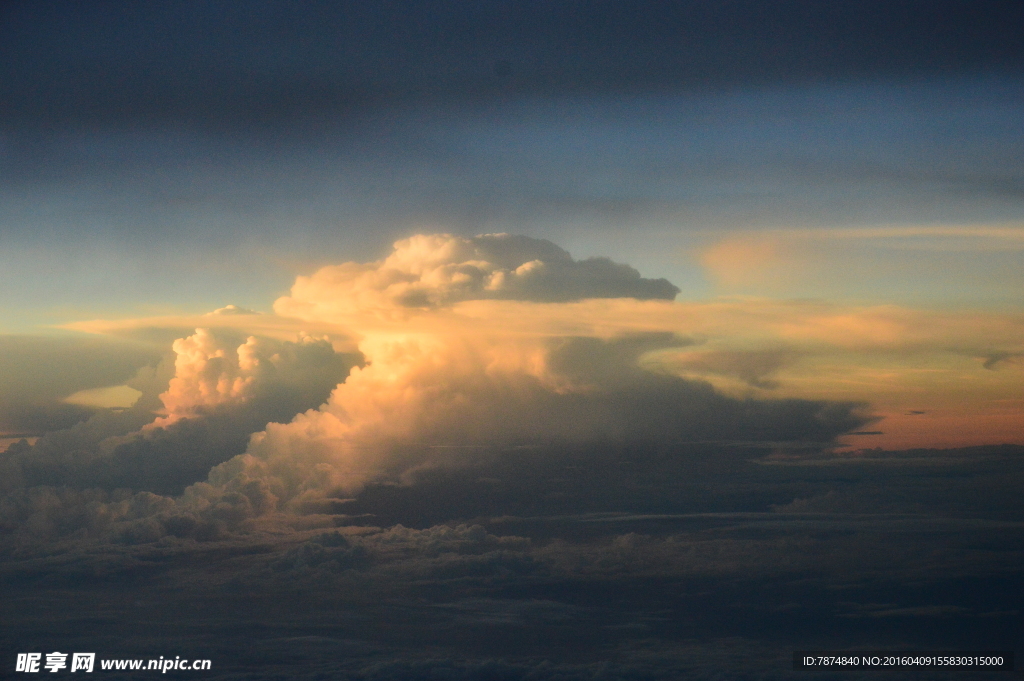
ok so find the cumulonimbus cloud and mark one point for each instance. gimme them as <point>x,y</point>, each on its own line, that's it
<point>442,379</point>
<point>443,382</point>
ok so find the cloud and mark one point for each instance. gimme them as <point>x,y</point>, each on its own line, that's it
<point>468,351</point>
<point>38,373</point>
<point>447,382</point>
<point>752,368</point>
<point>432,271</point>
<point>443,402</point>
<point>114,397</point>
<point>995,358</point>
<point>212,373</point>
<point>159,333</point>
<point>464,356</point>
<point>638,582</point>
<point>232,310</point>
<point>959,262</point>
<point>967,238</point>
<point>218,390</point>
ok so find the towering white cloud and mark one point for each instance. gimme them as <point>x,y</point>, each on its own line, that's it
<point>467,347</point>
<point>218,391</point>
<point>212,372</point>
<point>447,381</point>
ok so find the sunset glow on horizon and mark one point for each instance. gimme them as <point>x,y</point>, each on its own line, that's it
<point>927,375</point>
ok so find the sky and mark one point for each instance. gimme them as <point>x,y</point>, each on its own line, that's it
<point>533,302</point>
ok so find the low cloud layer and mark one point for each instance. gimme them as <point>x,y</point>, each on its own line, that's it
<point>871,551</point>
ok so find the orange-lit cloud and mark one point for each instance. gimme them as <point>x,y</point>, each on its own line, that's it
<point>959,262</point>
<point>439,270</point>
<point>212,372</point>
<point>448,364</point>
<point>471,345</point>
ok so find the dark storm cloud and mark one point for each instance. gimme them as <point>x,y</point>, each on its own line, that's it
<point>204,61</point>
